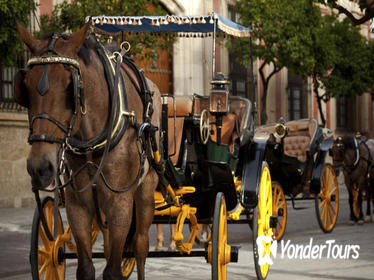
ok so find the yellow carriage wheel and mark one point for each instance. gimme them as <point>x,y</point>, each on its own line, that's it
<point>356,205</point>
<point>279,210</point>
<point>219,251</point>
<point>261,223</point>
<point>128,265</point>
<point>327,201</point>
<point>45,254</point>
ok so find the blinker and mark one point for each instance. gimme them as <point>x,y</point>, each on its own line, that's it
<point>43,85</point>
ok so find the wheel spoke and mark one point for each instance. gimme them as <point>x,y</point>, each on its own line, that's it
<point>43,268</point>
<point>44,238</point>
<point>333,190</point>
<point>321,204</point>
<point>332,208</point>
<point>50,219</point>
<point>326,217</point>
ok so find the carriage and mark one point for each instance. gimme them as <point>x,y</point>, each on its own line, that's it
<point>296,158</point>
<point>210,161</point>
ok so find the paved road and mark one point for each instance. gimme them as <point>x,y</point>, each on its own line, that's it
<point>15,226</point>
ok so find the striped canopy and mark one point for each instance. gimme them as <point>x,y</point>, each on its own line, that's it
<point>181,24</point>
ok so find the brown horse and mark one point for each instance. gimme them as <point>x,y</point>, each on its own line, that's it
<point>51,90</point>
<point>356,156</point>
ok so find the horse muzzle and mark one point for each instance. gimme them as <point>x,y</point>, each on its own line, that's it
<point>42,171</point>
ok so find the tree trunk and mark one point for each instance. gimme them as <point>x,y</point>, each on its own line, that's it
<point>319,100</point>
<point>265,83</point>
<point>264,116</point>
<point>251,87</point>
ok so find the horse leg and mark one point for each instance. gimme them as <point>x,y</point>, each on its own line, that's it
<point>370,198</point>
<point>361,216</point>
<point>352,218</point>
<point>160,238</point>
<point>119,220</point>
<point>144,200</point>
<point>368,205</point>
<point>80,220</point>
<point>172,245</point>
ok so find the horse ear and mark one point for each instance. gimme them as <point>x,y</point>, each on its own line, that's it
<point>78,38</point>
<point>27,38</point>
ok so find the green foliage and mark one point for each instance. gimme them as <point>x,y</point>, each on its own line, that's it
<point>10,11</point>
<point>71,15</point>
<point>283,30</point>
<point>353,70</point>
<point>295,35</point>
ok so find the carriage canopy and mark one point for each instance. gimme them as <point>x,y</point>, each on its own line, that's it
<point>170,23</point>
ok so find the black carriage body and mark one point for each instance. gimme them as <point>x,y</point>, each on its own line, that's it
<point>209,167</point>
<point>299,164</point>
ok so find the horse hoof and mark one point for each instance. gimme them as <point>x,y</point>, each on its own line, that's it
<point>367,219</point>
<point>360,222</point>
<point>172,249</point>
<point>351,222</point>
<point>160,248</point>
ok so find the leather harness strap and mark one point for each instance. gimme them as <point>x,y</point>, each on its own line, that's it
<point>351,168</point>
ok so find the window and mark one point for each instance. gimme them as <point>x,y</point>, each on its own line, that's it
<point>7,77</point>
<point>237,72</point>
<point>346,113</point>
<point>296,102</point>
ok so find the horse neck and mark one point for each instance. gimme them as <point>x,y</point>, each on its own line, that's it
<point>96,97</point>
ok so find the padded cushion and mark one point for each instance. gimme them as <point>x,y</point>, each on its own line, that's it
<point>296,146</point>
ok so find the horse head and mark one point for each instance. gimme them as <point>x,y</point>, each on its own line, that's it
<point>49,88</point>
<point>345,151</point>
<point>337,151</point>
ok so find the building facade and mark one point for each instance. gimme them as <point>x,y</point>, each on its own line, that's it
<point>187,71</point>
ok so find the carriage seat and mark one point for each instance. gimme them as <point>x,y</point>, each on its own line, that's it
<point>183,106</point>
<point>237,120</point>
<point>301,134</point>
<point>233,124</point>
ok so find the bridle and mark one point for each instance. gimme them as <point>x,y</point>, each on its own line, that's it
<point>350,168</point>
<point>53,57</point>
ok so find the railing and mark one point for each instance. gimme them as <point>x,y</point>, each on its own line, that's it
<point>7,74</point>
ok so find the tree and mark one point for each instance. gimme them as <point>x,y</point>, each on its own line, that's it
<point>366,7</point>
<point>71,15</point>
<point>10,11</point>
<point>295,35</point>
<point>353,70</point>
<point>343,61</point>
<point>283,29</point>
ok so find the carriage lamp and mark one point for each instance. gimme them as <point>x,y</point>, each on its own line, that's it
<point>219,101</point>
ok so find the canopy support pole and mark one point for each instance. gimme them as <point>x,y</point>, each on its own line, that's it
<point>214,48</point>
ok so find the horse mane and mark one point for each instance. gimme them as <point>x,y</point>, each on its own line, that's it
<point>84,54</point>
<point>349,142</point>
